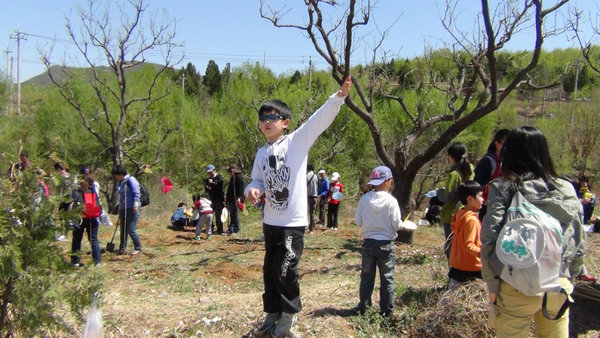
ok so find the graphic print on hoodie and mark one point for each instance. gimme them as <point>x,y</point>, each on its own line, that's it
<point>277,180</point>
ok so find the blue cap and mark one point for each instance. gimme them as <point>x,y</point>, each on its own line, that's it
<point>210,168</point>
<point>380,175</point>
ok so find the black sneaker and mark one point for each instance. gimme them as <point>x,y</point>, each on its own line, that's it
<point>76,265</point>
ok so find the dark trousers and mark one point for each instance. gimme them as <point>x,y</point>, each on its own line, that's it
<point>91,227</point>
<point>463,276</point>
<point>180,223</point>
<point>332,215</point>
<point>217,212</point>
<point>283,250</point>
<point>234,220</point>
<point>449,235</point>
<point>312,206</point>
<point>322,209</point>
<point>377,255</point>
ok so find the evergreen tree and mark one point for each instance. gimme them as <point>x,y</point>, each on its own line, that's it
<point>226,75</point>
<point>35,279</point>
<point>212,78</point>
<point>295,78</point>
<point>193,80</point>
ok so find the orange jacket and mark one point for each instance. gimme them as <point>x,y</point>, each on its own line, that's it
<point>466,245</point>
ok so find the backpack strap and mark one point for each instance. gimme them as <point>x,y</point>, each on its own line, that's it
<point>563,308</point>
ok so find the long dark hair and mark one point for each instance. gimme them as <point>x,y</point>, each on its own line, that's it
<point>499,136</point>
<point>458,152</point>
<point>526,151</point>
<point>87,182</point>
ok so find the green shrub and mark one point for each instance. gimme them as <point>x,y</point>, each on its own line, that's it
<point>37,285</point>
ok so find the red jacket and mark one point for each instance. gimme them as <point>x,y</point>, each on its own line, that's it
<point>333,188</point>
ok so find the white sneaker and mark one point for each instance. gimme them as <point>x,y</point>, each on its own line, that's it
<point>61,238</point>
<point>135,252</point>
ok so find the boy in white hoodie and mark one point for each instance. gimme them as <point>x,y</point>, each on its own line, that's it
<point>279,172</point>
<point>378,216</point>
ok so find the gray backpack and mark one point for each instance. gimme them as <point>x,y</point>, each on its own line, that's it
<point>530,246</point>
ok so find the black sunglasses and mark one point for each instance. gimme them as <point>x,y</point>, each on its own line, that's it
<point>270,117</point>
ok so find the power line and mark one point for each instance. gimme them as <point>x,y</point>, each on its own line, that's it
<point>206,56</point>
<point>48,38</point>
<point>235,59</point>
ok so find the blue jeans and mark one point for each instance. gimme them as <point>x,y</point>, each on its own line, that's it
<point>128,224</point>
<point>377,254</point>
<point>91,227</point>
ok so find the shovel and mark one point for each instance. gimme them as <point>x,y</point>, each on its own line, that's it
<point>110,246</point>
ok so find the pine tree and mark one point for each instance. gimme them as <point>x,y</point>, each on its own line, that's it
<point>212,78</point>
<point>36,282</point>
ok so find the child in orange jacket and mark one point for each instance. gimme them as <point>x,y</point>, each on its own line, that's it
<point>465,263</point>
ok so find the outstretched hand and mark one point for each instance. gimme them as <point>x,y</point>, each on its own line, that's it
<point>345,88</point>
<point>253,195</point>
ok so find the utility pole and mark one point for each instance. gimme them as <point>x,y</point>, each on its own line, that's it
<point>12,84</point>
<point>182,131</point>
<point>9,79</point>
<point>18,36</point>
<point>182,86</point>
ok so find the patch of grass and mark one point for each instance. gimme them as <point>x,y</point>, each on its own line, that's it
<point>177,282</point>
<point>416,259</point>
<point>415,297</point>
<point>372,324</point>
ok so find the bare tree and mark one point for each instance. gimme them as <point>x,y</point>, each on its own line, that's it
<point>588,43</point>
<point>472,90</point>
<point>122,45</point>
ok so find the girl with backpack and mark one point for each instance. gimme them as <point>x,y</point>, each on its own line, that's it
<point>86,195</point>
<point>527,166</point>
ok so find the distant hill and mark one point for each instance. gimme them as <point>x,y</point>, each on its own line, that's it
<point>60,73</point>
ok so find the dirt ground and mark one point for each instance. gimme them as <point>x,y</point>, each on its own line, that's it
<point>179,287</point>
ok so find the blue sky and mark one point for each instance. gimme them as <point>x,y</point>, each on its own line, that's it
<point>232,31</point>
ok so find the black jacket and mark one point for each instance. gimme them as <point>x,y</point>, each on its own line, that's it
<point>215,189</point>
<point>235,189</point>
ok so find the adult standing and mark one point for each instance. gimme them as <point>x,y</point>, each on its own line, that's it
<point>322,190</point>
<point>460,170</point>
<point>333,206</point>
<point>527,166</point>
<point>312,195</point>
<point>129,208</point>
<point>235,197</point>
<point>214,188</point>
<point>489,167</point>
<point>86,194</point>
